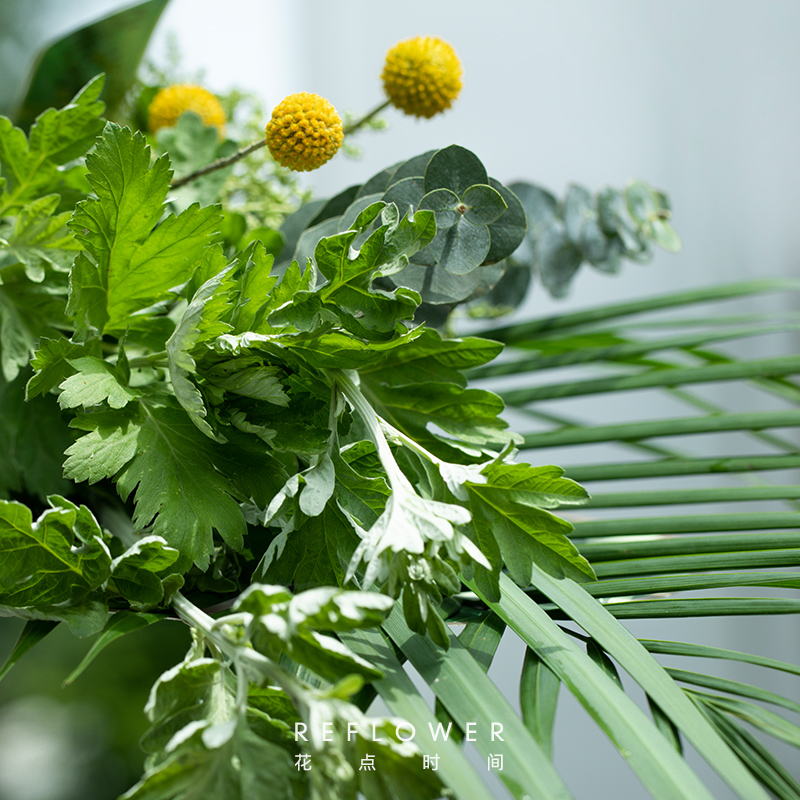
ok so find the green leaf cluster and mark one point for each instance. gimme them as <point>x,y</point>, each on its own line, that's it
<point>600,229</point>
<point>479,223</point>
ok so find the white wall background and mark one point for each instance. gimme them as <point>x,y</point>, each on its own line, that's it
<point>698,97</point>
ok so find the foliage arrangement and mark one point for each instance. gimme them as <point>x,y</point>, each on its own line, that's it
<point>273,436</point>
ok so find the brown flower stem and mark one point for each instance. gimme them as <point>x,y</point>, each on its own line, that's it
<point>221,163</point>
<point>354,126</point>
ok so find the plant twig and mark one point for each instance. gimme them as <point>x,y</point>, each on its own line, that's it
<point>354,126</point>
<point>221,163</point>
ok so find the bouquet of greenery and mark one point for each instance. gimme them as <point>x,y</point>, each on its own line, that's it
<point>229,404</point>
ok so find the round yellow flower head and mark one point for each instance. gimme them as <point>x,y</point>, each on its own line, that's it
<point>305,131</point>
<point>167,106</point>
<point>422,76</point>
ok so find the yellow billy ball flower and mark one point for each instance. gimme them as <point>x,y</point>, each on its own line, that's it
<point>305,131</point>
<point>422,76</point>
<point>167,106</point>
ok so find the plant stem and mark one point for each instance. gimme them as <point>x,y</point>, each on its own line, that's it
<point>354,395</point>
<point>239,655</point>
<point>221,163</point>
<point>354,126</point>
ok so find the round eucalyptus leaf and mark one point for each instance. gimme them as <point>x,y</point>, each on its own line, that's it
<point>413,168</point>
<point>503,287</point>
<point>336,205</point>
<point>310,237</point>
<point>435,285</point>
<point>540,206</point>
<point>405,193</point>
<point>508,231</point>
<point>379,182</point>
<point>578,210</point>
<point>454,168</point>
<point>593,242</point>
<point>484,204</point>
<point>461,248</point>
<point>444,205</point>
<point>665,235</point>
<point>641,201</point>
<point>557,257</point>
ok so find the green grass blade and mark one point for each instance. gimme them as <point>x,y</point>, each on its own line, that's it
<point>703,607</point>
<point>759,759</point>
<point>404,700</point>
<point>611,549</point>
<point>677,426</point>
<point>788,557</point>
<point>659,584</point>
<point>538,697</point>
<point>572,355</point>
<point>656,378</point>
<point>663,772</point>
<point>705,651</point>
<point>481,636</point>
<point>631,656</point>
<point>733,687</point>
<point>767,721</point>
<point>665,497</point>
<point>521,331</point>
<point>470,696</point>
<point>682,466</point>
<point>688,523</point>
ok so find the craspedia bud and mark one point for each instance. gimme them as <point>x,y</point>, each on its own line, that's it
<point>305,131</point>
<point>167,106</point>
<point>422,76</point>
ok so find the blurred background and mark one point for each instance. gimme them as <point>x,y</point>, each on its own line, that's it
<point>700,98</point>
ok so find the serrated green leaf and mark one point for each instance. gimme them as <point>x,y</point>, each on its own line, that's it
<point>94,382</point>
<point>157,455</point>
<point>200,321</point>
<point>136,574</point>
<point>33,436</point>
<point>525,532</point>
<point>46,562</point>
<point>256,285</point>
<point>245,765</point>
<point>430,357</point>
<point>135,263</point>
<point>57,136</point>
<point>40,238</point>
